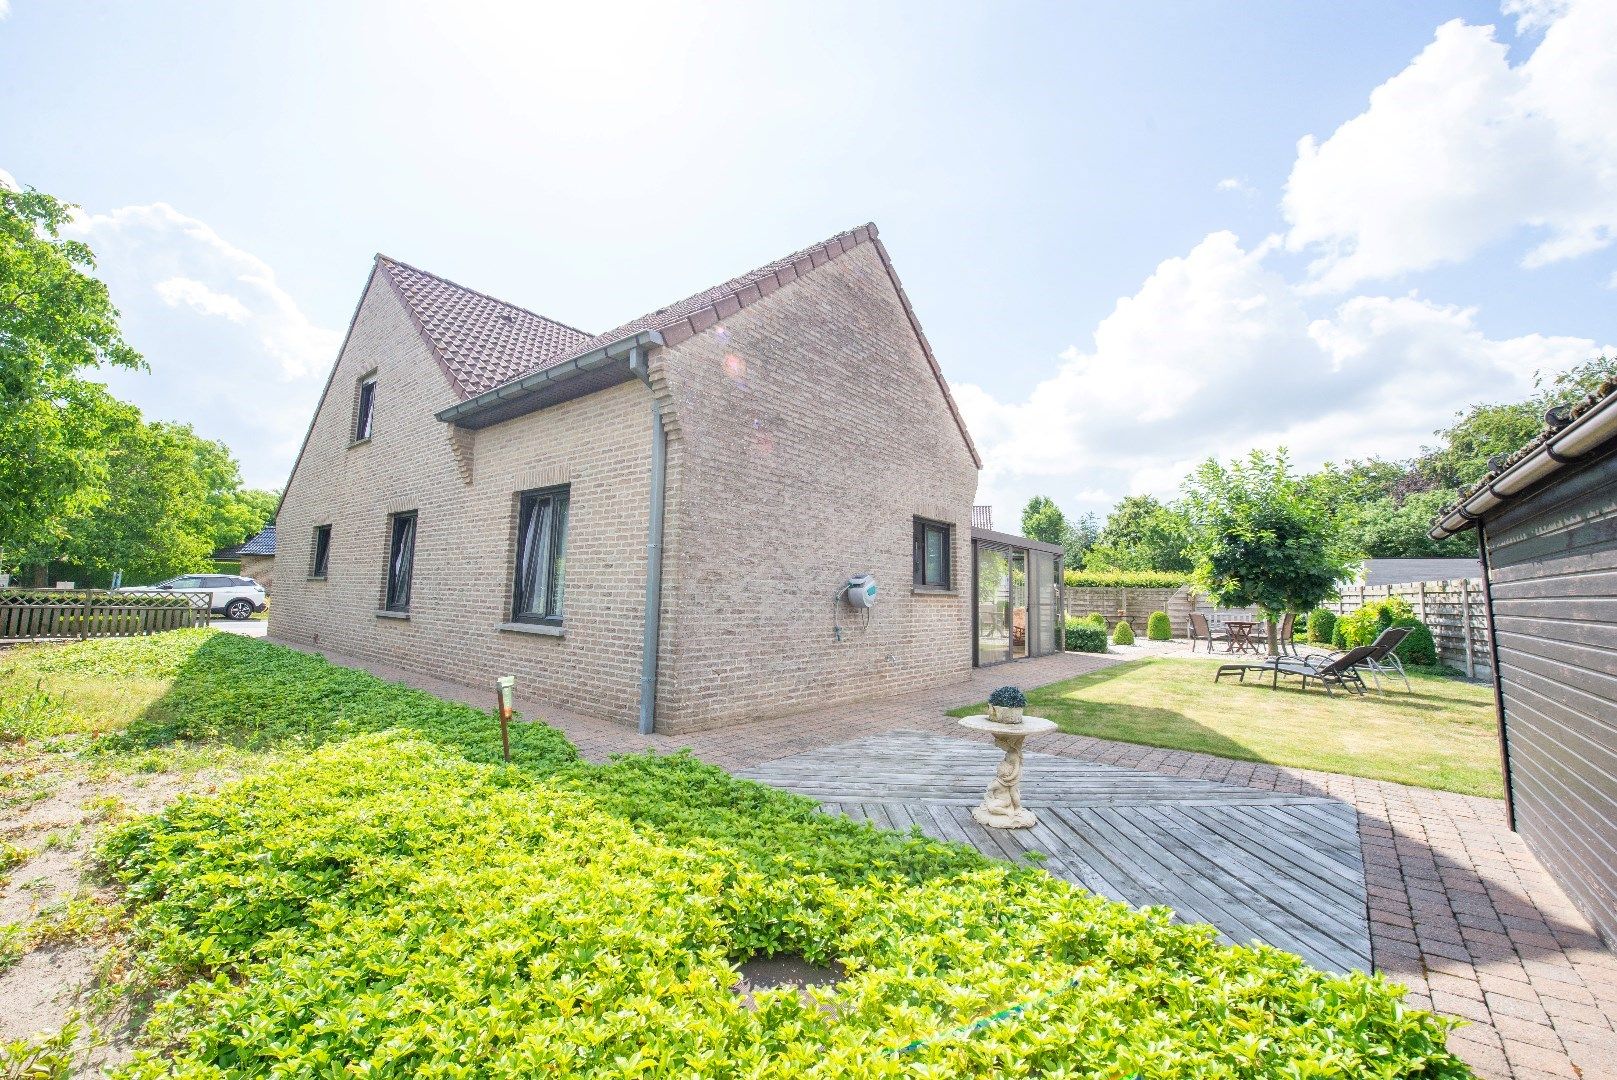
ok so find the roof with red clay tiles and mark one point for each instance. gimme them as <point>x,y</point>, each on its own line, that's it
<point>484,343</point>
<point>481,342</point>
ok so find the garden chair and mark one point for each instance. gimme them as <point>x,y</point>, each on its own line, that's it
<point>1341,671</point>
<point>1200,631</point>
<point>1284,645</point>
<point>1382,659</point>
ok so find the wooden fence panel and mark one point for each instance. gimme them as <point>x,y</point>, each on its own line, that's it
<point>1452,609</point>
<point>67,615</point>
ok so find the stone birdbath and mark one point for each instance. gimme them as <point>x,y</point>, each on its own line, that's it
<point>1002,804</point>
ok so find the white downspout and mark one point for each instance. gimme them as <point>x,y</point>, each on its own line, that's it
<point>654,551</point>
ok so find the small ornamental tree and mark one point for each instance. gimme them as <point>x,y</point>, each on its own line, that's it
<point>1158,628</point>
<point>1262,537</point>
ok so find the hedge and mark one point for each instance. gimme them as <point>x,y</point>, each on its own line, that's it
<point>1158,628</point>
<point>1083,636</point>
<point>1125,579</point>
<point>1122,633</point>
<point>1363,626</point>
<point>1321,626</point>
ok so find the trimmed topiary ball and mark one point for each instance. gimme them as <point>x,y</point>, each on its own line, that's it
<point>1158,628</point>
<point>1123,633</point>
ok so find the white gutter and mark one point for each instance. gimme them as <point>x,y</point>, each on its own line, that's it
<point>1582,436</point>
<point>544,378</point>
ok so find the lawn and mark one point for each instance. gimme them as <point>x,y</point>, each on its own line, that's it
<point>382,896</point>
<point>1441,734</point>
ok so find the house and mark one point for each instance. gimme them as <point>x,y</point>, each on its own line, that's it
<point>258,557</point>
<point>1407,571</point>
<point>1546,520</point>
<point>661,524</point>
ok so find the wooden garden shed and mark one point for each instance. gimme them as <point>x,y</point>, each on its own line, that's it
<point>1546,517</point>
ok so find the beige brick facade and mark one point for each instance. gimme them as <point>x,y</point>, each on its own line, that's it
<point>806,432</point>
<point>261,568</point>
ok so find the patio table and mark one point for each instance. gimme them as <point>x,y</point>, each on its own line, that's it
<point>1238,635</point>
<point>1002,803</point>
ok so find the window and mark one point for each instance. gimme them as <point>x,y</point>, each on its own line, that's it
<point>182,583</point>
<point>218,581</point>
<point>366,408</point>
<point>932,554</point>
<point>321,553</point>
<point>536,594</point>
<point>400,561</point>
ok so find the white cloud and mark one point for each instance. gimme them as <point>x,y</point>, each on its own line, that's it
<point>1461,150</point>
<point>177,292</point>
<point>1218,352</point>
<point>5,8</point>
<point>8,181</point>
<point>1237,185</point>
<point>230,350</point>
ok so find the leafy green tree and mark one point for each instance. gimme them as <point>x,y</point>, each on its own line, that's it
<point>1142,534</point>
<point>1262,537</point>
<point>171,496</point>
<point>56,322</point>
<point>1078,538</point>
<point>244,516</point>
<point>1043,520</point>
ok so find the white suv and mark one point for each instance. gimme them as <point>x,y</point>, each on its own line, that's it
<point>236,597</point>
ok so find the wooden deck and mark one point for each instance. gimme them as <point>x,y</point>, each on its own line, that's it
<point>1282,869</point>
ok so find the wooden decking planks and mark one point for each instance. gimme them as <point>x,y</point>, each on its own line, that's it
<point>1285,869</point>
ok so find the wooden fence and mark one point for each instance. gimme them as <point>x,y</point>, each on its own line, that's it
<point>1452,609</point>
<point>70,615</point>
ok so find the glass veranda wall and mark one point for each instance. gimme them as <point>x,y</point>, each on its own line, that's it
<point>1016,598</point>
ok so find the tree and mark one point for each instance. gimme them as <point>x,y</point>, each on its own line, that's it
<point>1141,534</point>
<point>1262,537</point>
<point>1043,520</point>
<point>1079,537</point>
<point>56,322</point>
<point>245,516</point>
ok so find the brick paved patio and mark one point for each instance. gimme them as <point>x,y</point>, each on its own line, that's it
<point>1460,911</point>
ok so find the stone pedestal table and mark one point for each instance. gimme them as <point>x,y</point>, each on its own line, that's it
<point>1002,804</point>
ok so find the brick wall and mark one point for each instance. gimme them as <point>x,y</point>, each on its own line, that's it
<point>465,544</point>
<point>811,433</point>
<point>806,432</point>
<point>261,568</point>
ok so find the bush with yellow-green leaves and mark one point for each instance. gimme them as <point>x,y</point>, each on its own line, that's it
<point>392,901</point>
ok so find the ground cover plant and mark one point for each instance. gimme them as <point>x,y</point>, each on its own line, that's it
<point>396,902</point>
<point>1440,735</point>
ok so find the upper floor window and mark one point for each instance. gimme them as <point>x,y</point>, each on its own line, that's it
<point>400,561</point>
<point>365,408</point>
<point>932,554</point>
<point>321,555</point>
<point>536,593</point>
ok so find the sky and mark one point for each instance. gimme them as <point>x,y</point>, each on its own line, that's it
<point>1137,235</point>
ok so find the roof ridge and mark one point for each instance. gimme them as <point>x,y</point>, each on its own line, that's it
<point>391,261</point>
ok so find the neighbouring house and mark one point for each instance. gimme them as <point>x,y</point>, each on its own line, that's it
<point>655,525</point>
<point>1405,571</point>
<point>258,558</point>
<point>1546,520</point>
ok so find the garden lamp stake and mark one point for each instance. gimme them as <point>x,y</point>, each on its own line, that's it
<point>504,691</point>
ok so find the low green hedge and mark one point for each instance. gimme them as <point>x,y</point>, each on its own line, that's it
<point>387,904</point>
<point>1321,627</point>
<point>1085,636</point>
<point>1125,579</point>
<point>1158,628</point>
<point>1122,633</point>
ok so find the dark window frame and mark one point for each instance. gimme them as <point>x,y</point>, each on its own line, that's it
<point>400,579</point>
<point>919,578</point>
<point>364,409</point>
<point>559,498</point>
<point>320,553</point>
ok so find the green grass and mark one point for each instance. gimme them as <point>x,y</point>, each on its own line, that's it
<point>1440,735</point>
<point>385,898</point>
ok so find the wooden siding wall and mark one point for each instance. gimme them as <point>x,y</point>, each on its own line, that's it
<point>1552,560</point>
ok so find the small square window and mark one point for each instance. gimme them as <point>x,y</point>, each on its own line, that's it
<point>400,561</point>
<point>933,554</point>
<point>322,551</point>
<point>365,408</point>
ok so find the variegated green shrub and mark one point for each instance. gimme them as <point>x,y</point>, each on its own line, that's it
<point>385,907</point>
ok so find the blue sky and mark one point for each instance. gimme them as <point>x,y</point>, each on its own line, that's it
<point>1120,251</point>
